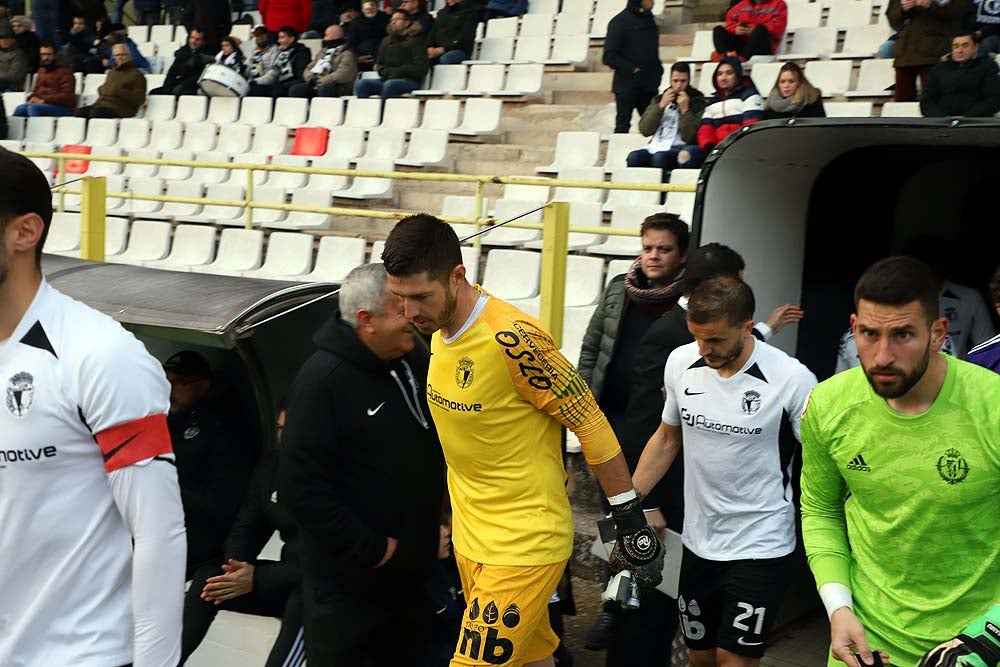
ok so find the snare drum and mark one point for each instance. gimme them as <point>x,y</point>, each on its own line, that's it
<point>220,81</point>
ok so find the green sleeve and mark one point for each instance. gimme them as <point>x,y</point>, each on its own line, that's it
<point>824,527</point>
<point>691,121</point>
<point>650,121</point>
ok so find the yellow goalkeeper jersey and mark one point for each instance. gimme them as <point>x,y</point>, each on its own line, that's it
<point>498,392</point>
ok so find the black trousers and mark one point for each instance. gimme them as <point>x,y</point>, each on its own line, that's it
<point>627,101</point>
<point>95,112</point>
<point>757,43</point>
<point>308,90</point>
<point>644,636</point>
<point>284,603</point>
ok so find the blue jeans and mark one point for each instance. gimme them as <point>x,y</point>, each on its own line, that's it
<point>385,89</point>
<point>885,50</point>
<point>666,160</point>
<point>453,57</point>
<point>35,110</point>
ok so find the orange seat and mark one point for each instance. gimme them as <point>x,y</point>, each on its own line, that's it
<point>310,141</point>
<point>75,166</point>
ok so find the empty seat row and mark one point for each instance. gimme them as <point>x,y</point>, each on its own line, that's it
<point>834,77</point>
<point>494,80</point>
<point>543,49</point>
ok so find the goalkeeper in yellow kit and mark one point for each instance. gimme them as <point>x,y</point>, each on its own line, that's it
<point>499,391</point>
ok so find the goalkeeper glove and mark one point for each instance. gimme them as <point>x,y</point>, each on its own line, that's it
<point>637,549</point>
<point>977,646</point>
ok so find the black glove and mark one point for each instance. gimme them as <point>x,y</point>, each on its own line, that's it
<point>637,549</point>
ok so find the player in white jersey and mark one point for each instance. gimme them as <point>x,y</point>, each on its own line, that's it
<point>735,403</point>
<point>91,525</point>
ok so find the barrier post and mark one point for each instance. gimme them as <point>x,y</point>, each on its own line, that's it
<point>555,246</point>
<point>92,218</point>
<point>249,198</point>
<point>61,166</point>
<point>477,242</point>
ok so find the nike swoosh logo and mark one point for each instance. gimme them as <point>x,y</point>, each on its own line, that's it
<point>745,643</point>
<point>372,411</point>
<point>688,392</point>
<point>112,452</point>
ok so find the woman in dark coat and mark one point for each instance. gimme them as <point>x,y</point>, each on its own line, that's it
<point>793,96</point>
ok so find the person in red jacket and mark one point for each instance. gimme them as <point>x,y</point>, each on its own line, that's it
<point>753,28</point>
<point>278,13</point>
<point>54,93</point>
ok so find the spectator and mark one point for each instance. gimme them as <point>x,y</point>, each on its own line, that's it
<point>418,15</point>
<point>118,35</point>
<point>363,475</point>
<point>735,103</point>
<point>966,84</point>
<point>347,16</point>
<point>214,462</point>
<point>753,28</point>
<point>189,62</point>
<point>27,40</point>
<point>632,50</point>
<point>402,61</point>
<point>276,14</point>
<point>366,34</point>
<point>54,93</point>
<point>332,72</point>
<point>983,18</point>
<point>80,41</point>
<point>286,70</point>
<point>148,11</point>
<point>211,16</point>
<point>793,96</point>
<point>501,9</point>
<point>264,54</point>
<point>46,19</point>
<point>91,10</point>
<point>453,36</point>
<point>987,353</point>
<point>322,14</point>
<point>924,30</point>
<point>672,120</point>
<point>231,55</point>
<point>246,585</point>
<point>13,61</point>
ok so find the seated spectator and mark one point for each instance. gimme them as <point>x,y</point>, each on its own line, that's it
<point>366,33</point>
<point>502,9</point>
<point>753,28</point>
<point>402,61</point>
<point>419,15</point>
<point>123,91</point>
<point>276,14</point>
<point>453,36</point>
<point>966,84</point>
<point>118,35</point>
<point>13,61</point>
<point>54,92</point>
<point>243,583</point>
<point>924,32</point>
<point>735,103</point>
<point>286,70</point>
<point>189,62</point>
<point>793,96</point>
<point>983,18</point>
<point>81,45</point>
<point>332,72</point>
<point>671,120</point>
<point>264,53</point>
<point>231,55</point>
<point>27,40</point>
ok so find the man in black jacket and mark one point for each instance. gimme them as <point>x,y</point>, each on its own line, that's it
<point>363,475</point>
<point>451,39</point>
<point>365,34</point>
<point>632,50</point>
<point>964,85</point>
<point>189,62</point>
<point>211,16</point>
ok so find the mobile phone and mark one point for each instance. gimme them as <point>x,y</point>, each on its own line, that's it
<point>876,660</point>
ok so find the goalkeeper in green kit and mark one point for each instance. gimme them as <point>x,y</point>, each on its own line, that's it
<point>901,486</point>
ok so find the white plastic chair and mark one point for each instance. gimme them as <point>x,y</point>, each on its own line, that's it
<point>287,179</point>
<point>483,79</point>
<point>148,241</point>
<point>581,214</point>
<point>481,118</point>
<point>70,130</point>
<point>223,110</point>
<point>764,75</point>
<point>345,142</point>
<point>624,246</point>
<point>536,23</point>
<point>619,146</point>
<point>64,234</point>
<point>194,245</point>
<point>145,186</point>
<point>133,133</point>
<point>239,250</point>
<point>176,173</point>
<point>329,182</point>
<point>811,43</point>
<point>507,209</point>
<point>270,139</point>
<point>802,14</point>
<point>847,109</point>
<point>160,107</point>
<point>192,108</point>
<point>206,175</point>
<point>461,206</point>
<point>302,220</point>
<point>291,111</point>
<point>901,110</point>
<point>188,189</point>
<point>846,14</point>
<point>445,79</point>
<point>441,114</point>
<point>569,50</point>
<point>223,215</point>
<point>335,258</point>
<point>863,41</point>
<point>92,82</point>
<point>326,112</point>
<point>105,168</point>
<point>370,187</point>
<point>289,257</point>
<point>269,194</point>
<point>702,47</point>
<point>545,7</point>
<point>512,274</point>
<point>832,77</point>
<point>572,23</point>
<point>137,170</point>
<point>402,113</point>
<point>427,148</point>
<point>616,198</point>
<point>386,143</point>
<point>235,139</point>
<point>102,132</point>
<point>532,49</point>
<point>256,111</point>
<point>568,194</point>
<point>364,113</point>
<point>200,137</point>
<point>682,203</point>
<point>494,49</point>
<point>874,77</point>
<point>161,33</point>
<point>166,135</point>
<point>39,130</point>
<point>574,149</point>
<point>499,28</point>
<point>522,79</point>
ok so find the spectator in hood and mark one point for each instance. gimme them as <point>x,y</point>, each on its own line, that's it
<point>189,62</point>
<point>13,61</point>
<point>54,92</point>
<point>402,61</point>
<point>279,13</point>
<point>966,84</point>
<point>332,72</point>
<point>753,28</point>
<point>735,103</point>
<point>453,36</point>
<point>286,70</point>
<point>27,40</point>
<point>365,34</point>
<point>632,50</point>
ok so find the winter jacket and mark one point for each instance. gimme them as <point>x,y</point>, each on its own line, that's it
<point>30,44</point>
<point>147,5</point>
<point>279,13</point>
<point>772,14</point>
<point>123,91</point>
<point>971,89</point>
<point>261,61</point>
<point>455,28</point>
<point>13,67</point>
<point>212,16</point>
<point>633,41</point>
<point>983,16</point>
<point>424,20</point>
<point>650,121</point>
<point>264,512</point>
<point>508,7</point>
<point>365,35</point>
<point>726,113</point>
<point>599,340</point>
<point>814,110</point>
<point>403,56</point>
<point>288,64</point>
<point>187,68</point>
<point>343,63</point>
<point>56,86</point>
<point>924,34</point>
<point>360,462</point>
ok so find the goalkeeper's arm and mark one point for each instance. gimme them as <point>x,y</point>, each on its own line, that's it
<point>976,646</point>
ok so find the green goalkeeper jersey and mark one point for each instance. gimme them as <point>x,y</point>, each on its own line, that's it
<point>905,510</point>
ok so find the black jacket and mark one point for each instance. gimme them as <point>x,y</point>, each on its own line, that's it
<point>364,35</point>
<point>264,512</point>
<point>30,44</point>
<point>360,461</point>
<point>633,40</point>
<point>971,88</point>
<point>212,16</point>
<point>187,68</point>
<point>455,27</point>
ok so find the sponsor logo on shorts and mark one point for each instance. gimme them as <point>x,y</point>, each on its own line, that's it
<point>858,463</point>
<point>480,641</point>
<point>952,467</point>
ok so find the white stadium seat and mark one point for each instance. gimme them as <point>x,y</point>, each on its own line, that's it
<point>512,274</point>
<point>901,110</point>
<point>176,172</point>
<point>167,136</point>
<point>207,175</point>
<point>650,175</point>
<point>508,209</point>
<point>273,195</point>
<point>268,140</point>
<point>223,110</point>
<point>494,49</point>
<point>581,214</point>
<point>326,112</point>
<point>289,257</point>
<point>329,182</point>
<point>848,109</point>
<point>535,23</point>
<point>345,142</point>
<point>363,113</point>
<point>833,77</point>
<point>256,111</point>
<point>568,194</point>
<point>200,136</point>
<point>70,130</point>
<point>426,148</point>
<point>41,129</point>
<point>875,77</point>
<point>625,246</point>
<point>291,111</point>
<point>802,14</point>
<point>194,245</point>
<point>160,107</point>
<point>235,138</point>
<point>619,146</point>
<point>335,258</point>
<point>846,14</point>
<point>445,79</point>
<point>223,215</point>
<point>573,23</point>
<point>863,41</point>
<point>386,143</point>
<point>402,113</point>
<point>522,79</point>
<point>102,132</point>
<point>133,133</point>
<point>370,187</point>
<point>288,179</point>
<point>574,149</point>
<point>441,114</point>
<point>191,108</point>
<point>534,49</point>
<point>148,241</point>
<point>303,220</point>
<point>682,203</point>
<point>811,43</point>
<point>145,186</point>
<point>484,79</point>
<point>239,250</point>
<point>188,189</point>
<point>481,117</point>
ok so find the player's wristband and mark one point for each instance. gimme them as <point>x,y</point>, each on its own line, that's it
<point>835,596</point>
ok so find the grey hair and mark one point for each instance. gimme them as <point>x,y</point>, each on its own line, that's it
<point>363,289</point>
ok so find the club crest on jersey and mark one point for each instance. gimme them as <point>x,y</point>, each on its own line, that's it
<point>464,373</point>
<point>20,394</point>
<point>952,467</point>
<point>750,404</point>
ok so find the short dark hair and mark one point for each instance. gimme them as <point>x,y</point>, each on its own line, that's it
<point>995,288</point>
<point>721,298</point>
<point>682,68</point>
<point>670,222</point>
<point>422,243</point>
<point>26,191</point>
<point>966,33</point>
<point>404,13</point>
<point>290,31</point>
<point>711,259</point>
<point>897,281</point>
<point>47,45</point>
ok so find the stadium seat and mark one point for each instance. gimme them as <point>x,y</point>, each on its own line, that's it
<point>763,75</point>
<point>682,203</point>
<point>145,186</point>
<point>223,215</point>
<point>310,141</point>
<point>326,112</point>
<point>139,170</point>
<point>536,24</point>
<point>494,50</point>
<point>193,189</point>
<point>133,133</point>
<point>624,246</point>
<point>256,111</point>
<point>845,14</point>
<point>370,187</point>
<point>16,127</point>
<point>509,209</point>
<point>574,149</point>
<point>41,129</point>
<point>811,43</point>
<point>532,49</point>
<point>235,138</point>
<point>802,14</point>
<point>223,110</point>
<point>162,33</point>
<point>569,50</point>
<point>194,245</point>
<point>875,77</point>
<point>329,182</point>
<point>386,143</point>
<point>75,166</point>
<point>206,175</point>
<point>288,179</point>
<point>848,109</point>
<point>102,132</point>
<point>335,258</point>
<point>289,257</point>
<point>91,83</point>
<point>545,7</point>
<point>901,110</point>
<point>14,145</point>
<point>105,168</point>
<point>200,137</point>
<point>522,80</point>
<point>238,176</point>
<point>583,280</point>
<point>64,234</point>
<point>149,240</point>
<point>115,236</point>
<point>70,130</point>
<point>569,194</point>
<point>483,80</point>
<point>445,79</point>
<point>526,192</point>
<point>176,172</point>
<point>138,33</point>
<point>193,108</point>
<point>167,135</point>
<point>376,253</point>
<point>833,77</point>
<point>270,139</point>
<point>618,198</point>
<point>863,41</point>
<point>363,113</point>
<point>45,164</point>
<point>619,146</point>
<point>13,99</point>
<point>617,267</point>
<point>461,206</point>
<point>481,118</point>
<point>160,107</point>
<point>426,148</point>
<point>599,26</point>
<point>303,220</point>
<point>345,142</point>
<point>581,214</point>
<point>401,113</point>
<point>291,111</point>
<point>512,274</point>
<point>239,250</point>
<point>441,114</point>
<point>502,28</point>
<point>572,23</point>
<point>241,31</point>
<point>270,194</point>
<point>702,48</point>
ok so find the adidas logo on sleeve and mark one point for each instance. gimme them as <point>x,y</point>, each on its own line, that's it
<point>858,463</point>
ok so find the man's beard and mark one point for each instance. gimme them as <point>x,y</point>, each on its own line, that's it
<point>727,359</point>
<point>906,381</point>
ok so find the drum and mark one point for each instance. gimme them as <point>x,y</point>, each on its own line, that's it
<point>219,81</point>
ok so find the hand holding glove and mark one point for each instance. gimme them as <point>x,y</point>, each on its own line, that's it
<point>637,548</point>
<point>977,646</point>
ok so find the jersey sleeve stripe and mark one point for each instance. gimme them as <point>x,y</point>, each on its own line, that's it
<point>134,441</point>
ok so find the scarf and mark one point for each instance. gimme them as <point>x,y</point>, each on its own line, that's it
<point>779,104</point>
<point>641,291</point>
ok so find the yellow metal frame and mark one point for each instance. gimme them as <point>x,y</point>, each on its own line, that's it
<point>93,218</point>
<point>555,247</point>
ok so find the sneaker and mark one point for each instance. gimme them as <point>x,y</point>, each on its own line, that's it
<point>599,635</point>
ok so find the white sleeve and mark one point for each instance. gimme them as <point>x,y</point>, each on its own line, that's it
<point>149,499</point>
<point>671,415</point>
<point>847,353</point>
<point>801,384</point>
<point>982,324</point>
